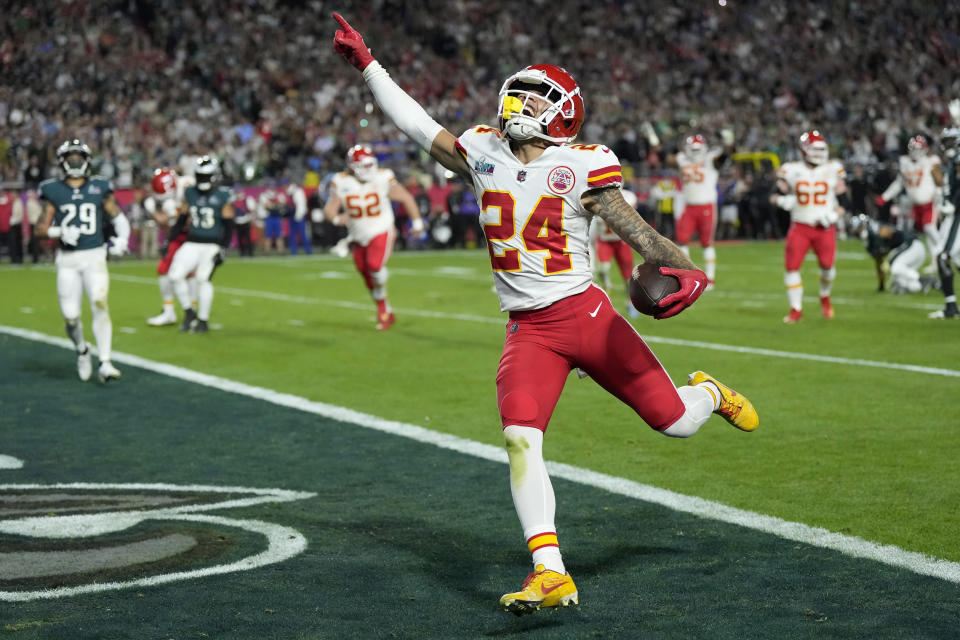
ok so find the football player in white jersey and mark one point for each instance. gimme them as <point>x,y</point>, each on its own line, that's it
<point>608,246</point>
<point>537,195</point>
<point>699,172</point>
<point>364,193</point>
<point>811,190</point>
<point>922,178</point>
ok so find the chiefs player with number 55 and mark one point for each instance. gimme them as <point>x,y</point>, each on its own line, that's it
<point>538,194</point>
<point>364,193</point>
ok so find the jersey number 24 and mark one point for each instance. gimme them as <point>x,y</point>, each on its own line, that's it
<point>543,231</point>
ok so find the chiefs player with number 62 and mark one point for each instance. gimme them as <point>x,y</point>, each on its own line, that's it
<point>811,191</point>
<point>537,195</point>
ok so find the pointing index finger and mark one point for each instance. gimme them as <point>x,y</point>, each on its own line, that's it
<point>343,23</point>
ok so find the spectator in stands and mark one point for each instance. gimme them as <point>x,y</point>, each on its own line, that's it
<point>464,212</point>
<point>10,227</point>
<point>297,198</point>
<point>32,211</point>
<point>225,96</point>
<point>244,210</point>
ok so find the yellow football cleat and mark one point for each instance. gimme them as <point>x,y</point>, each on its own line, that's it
<point>542,588</point>
<point>734,407</point>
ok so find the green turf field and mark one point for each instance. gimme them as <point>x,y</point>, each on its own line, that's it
<point>858,436</point>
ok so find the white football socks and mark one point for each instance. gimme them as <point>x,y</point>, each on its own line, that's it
<point>794,284</point>
<point>700,402</point>
<point>204,300</point>
<point>827,277</point>
<point>102,328</point>
<point>533,495</point>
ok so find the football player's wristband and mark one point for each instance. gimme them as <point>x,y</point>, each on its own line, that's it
<point>405,112</point>
<point>54,232</point>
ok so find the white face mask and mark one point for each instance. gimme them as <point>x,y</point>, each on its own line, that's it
<point>365,171</point>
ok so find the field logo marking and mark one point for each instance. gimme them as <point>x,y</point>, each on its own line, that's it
<point>102,509</point>
<point>850,545</point>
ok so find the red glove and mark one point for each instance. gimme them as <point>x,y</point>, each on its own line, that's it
<point>349,44</point>
<point>692,284</point>
<point>880,201</point>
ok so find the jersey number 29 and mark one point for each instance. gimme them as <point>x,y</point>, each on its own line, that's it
<point>86,212</point>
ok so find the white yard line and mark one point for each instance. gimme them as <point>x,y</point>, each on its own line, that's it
<point>850,545</point>
<point>501,320</point>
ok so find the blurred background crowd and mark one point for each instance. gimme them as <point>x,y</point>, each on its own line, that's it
<point>257,83</point>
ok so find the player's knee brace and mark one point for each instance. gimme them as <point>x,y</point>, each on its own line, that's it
<point>379,277</point>
<point>828,275</point>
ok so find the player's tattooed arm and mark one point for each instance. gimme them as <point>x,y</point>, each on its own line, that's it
<point>627,223</point>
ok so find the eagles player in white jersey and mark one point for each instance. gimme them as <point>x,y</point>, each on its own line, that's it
<point>538,194</point>
<point>364,193</point>
<point>811,191</point>
<point>921,177</point>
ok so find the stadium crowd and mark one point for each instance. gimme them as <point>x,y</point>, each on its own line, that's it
<point>257,83</point>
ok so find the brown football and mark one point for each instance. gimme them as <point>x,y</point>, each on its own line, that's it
<point>648,287</point>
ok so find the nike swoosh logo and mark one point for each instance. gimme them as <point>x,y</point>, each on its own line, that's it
<point>545,589</point>
<point>696,285</point>
<point>597,310</point>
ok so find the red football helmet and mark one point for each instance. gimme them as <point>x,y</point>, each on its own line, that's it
<point>164,182</point>
<point>917,147</point>
<point>696,146</point>
<point>362,162</point>
<point>814,147</point>
<point>559,122</point>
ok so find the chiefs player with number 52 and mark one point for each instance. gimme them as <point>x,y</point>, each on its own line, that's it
<point>364,193</point>
<point>538,194</point>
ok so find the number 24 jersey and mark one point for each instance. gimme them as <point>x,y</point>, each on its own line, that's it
<point>537,231</point>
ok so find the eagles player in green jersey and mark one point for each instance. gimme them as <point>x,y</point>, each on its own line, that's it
<point>76,210</point>
<point>209,210</point>
<point>948,252</point>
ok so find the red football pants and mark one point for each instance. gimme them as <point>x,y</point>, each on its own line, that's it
<point>922,215</point>
<point>802,237</point>
<point>372,257</point>
<point>619,251</point>
<point>583,331</point>
<point>164,265</point>
<point>701,218</point>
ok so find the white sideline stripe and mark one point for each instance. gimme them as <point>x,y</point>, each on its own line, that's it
<point>850,545</point>
<point>775,353</point>
<point>803,356</point>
